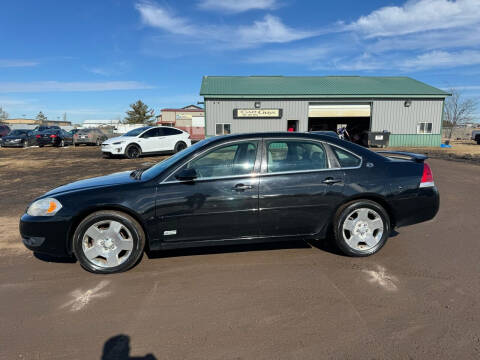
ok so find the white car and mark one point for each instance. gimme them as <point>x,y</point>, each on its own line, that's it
<point>147,140</point>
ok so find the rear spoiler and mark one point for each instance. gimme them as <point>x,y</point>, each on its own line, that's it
<point>404,154</point>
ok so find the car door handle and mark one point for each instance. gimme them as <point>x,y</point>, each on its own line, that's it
<point>330,181</point>
<point>242,187</point>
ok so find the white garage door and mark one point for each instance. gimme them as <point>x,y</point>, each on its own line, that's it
<point>339,110</point>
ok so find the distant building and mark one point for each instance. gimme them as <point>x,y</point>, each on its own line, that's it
<point>100,123</point>
<point>190,118</point>
<point>24,121</point>
<point>411,111</point>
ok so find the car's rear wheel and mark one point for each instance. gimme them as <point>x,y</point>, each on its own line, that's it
<point>133,151</point>
<point>361,228</point>
<point>108,242</point>
<point>179,146</point>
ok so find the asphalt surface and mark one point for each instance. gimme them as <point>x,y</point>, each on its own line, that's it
<point>416,299</point>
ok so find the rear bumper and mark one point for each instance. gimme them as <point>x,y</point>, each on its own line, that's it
<point>417,209</point>
<point>47,235</point>
<point>44,142</point>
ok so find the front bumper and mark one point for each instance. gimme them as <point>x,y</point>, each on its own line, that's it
<point>113,149</point>
<point>12,144</point>
<point>46,234</point>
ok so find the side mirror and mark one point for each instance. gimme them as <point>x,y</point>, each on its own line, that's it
<point>186,175</point>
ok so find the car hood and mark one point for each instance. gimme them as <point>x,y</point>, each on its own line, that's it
<point>119,178</point>
<point>118,138</point>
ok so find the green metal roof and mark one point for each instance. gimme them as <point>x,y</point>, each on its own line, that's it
<point>315,86</point>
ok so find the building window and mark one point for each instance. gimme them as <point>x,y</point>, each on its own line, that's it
<point>222,129</point>
<point>424,128</point>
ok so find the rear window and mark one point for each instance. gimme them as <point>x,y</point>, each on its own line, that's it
<point>171,131</point>
<point>299,155</point>
<point>345,158</point>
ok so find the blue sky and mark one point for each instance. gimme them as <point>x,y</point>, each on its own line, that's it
<point>92,58</point>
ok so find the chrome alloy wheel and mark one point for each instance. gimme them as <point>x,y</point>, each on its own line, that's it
<point>363,229</point>
<point>107,243</point>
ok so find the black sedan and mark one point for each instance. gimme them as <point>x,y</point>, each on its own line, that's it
<point>19,138</point>
<point>235,189</point>
<point>54,137</point>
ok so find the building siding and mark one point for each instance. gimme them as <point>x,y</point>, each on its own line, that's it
<point>387,114</point>
<point>421,140</point>
<point>221,111</point>
<point>393,116</point>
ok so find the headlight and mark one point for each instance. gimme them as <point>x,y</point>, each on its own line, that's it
<point>118,142</point>
<point>44,207</point>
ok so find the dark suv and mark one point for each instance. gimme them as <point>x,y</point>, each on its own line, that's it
<point>4,130</point>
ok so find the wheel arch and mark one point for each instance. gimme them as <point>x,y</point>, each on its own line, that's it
<point>379,199</point>
<point>90,210</point>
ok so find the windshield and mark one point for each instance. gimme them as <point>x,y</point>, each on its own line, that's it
<point>18,132</point>
<point>157,169</point>
<point>137,131</point>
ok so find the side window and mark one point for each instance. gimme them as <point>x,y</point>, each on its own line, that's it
<point>151,133</point>
<point>222,129</point>
<point>424,128</point>
<point>285,155</point>
<point>345,158</point>
<point>170,131</point>
<point>228,160</point>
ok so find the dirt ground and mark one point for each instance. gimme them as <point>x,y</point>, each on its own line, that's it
<point>418,298</point>
<point>28,173</point>
<point>461,150</point>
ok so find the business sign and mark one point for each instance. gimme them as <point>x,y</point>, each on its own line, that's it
<point>257,113</point>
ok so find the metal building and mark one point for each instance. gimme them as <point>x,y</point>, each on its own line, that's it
<point>410,110</point>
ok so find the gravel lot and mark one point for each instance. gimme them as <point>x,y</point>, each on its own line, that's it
<point>418,298</point>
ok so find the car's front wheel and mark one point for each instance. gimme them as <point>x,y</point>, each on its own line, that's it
<point>361,228</point>
<point>108,242</point>
<point>133,151</point>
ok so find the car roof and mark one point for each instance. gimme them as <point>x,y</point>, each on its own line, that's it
<point>360,150</point>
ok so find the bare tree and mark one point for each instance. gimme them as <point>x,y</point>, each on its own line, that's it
<point>3,114</point>
<point>458,110</point>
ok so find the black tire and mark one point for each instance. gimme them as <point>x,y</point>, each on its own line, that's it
<point>342,235</point>
<point>133,151</point>
<point>40,145</point>
<point>25,144</point>
<point>138,236</point>
<point>179,146</point>
<point>478,141</point>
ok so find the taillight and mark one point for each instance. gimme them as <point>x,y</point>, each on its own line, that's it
<point>427,176</point>
<point>38,136</point>
<point>53,136</point>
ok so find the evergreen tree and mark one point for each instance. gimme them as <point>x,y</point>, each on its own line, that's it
<point>3,114</point>
<point>40,116</point>
<point>139,113</point>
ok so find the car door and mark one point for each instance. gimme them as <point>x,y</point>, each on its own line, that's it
<point>221,203</point>
<point>148,141</point>
<point>299,187</point>
<point>172,136</point>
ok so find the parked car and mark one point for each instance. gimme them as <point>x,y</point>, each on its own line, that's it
<point>476,136</point>
<point>54,137</point>
<point>231,190</point>
<point>19,138</point>
<point>147,140</point>
<point>4,130</point>
<point>89,137</point>
<point>40,128</point>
